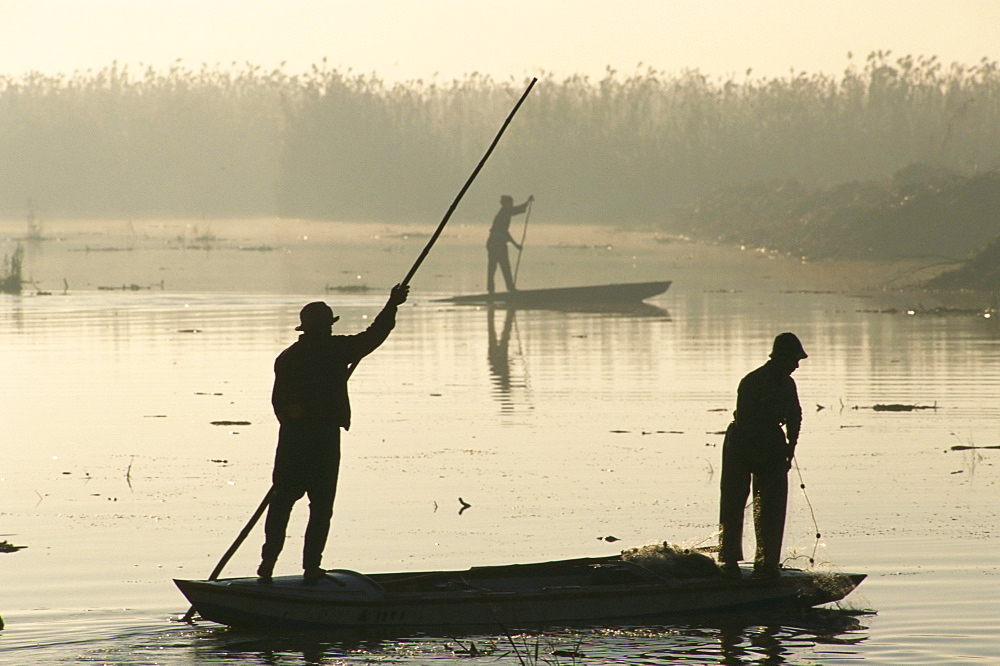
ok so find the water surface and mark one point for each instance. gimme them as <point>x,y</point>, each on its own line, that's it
<point>559,428</point>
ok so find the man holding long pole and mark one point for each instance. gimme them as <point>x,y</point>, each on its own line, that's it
<point>303,390</point>
<point>311,403</point>
<point>399,295</point>
<point>496,244</point>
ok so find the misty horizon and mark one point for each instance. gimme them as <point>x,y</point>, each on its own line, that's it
<point>338,145</point>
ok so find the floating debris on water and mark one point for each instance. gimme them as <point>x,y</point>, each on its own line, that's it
<point>572,654</point>
<point>89,248</point>
<point>348,288</point>
<point>985,313</point>
<point>895,407</point>
<point>132,287</point>
<point>808,291</point>
<point>8,547</point>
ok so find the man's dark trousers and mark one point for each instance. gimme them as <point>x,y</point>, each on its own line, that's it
<point>753,460</point>
<point>307,462</point>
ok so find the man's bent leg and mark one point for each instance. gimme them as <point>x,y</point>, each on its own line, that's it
<point>735,489</point>
<point>318,528</point>
<point>770,504</point>
<point>275,526</point>
<point>322,490</point>
<point>508,277</point>
<point>491,269</point>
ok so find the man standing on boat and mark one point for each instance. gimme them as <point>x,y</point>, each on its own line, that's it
<point>311,402</point>
<point>496,244</point>
<point>757,451</point>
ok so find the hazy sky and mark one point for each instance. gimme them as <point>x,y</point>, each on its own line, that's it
<point>409,39</point>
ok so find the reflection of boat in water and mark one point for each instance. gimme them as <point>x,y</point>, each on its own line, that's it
<point>624,309</point>
<point>563,297</point>
<point>587,590</point>
<point>781,637</point>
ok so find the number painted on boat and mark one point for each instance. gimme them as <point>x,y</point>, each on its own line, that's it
<point>382,616</point>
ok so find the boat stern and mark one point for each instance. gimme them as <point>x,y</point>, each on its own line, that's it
<point>816,588</point>
<point>288,601</point>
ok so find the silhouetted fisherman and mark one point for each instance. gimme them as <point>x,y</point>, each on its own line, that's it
<point>311,402</point>
<point>757,451</point>
<point>496,244</point>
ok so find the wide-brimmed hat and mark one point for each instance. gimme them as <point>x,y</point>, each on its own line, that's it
<point>787,345</point>
<point>315,315</point>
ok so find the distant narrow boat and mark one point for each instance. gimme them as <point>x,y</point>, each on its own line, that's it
<point>586,590</point>
<point>629,292</point>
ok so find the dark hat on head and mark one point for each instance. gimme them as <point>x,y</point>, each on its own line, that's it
<point>787,345</point>
<point>315,315</point>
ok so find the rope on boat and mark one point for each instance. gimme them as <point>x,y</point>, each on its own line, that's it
<point>802,486</point>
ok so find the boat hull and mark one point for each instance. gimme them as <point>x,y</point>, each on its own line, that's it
<point>592,592</point>
<point>632,292</point>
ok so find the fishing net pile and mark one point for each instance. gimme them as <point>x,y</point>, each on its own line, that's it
<point>664,559</point>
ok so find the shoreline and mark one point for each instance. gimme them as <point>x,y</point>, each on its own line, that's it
<point>274,254</point>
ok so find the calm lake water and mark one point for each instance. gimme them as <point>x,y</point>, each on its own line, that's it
<point>559,428</point>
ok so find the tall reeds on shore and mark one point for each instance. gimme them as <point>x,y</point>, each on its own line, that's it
<point>113,143</point>
<point>242,141</point>
<point>12,272</point>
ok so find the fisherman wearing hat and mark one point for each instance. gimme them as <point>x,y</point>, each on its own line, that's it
<point>757,452</point>
<point>311,402</point>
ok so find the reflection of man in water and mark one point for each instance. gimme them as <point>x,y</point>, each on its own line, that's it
<point>311,402</point>
<point>756,450</point>
<point>498,357</point>
<point>496,244</point>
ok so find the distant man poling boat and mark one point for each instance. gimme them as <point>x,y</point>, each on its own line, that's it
<point>608,297</point>
<point>757,452</point>
<point>496,244</point>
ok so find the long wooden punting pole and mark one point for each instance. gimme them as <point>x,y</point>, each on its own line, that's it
<point>468,183</point>
<point>245,532</point>
<point>524,234</point>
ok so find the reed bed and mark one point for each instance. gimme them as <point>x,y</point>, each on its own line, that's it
<point>331,144</point>
<point>12,271</point>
